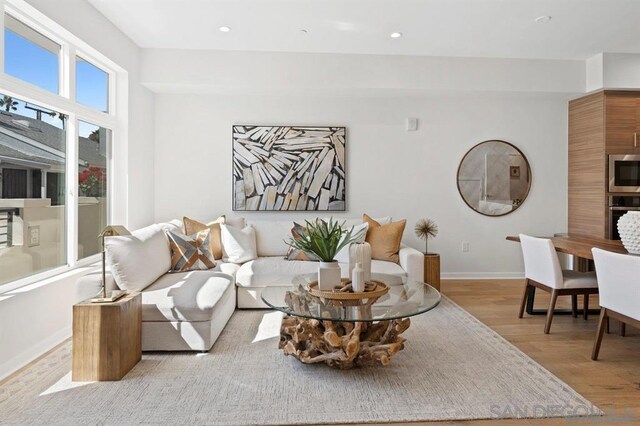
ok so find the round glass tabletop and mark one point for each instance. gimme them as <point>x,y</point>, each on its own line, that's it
<point>403,300</point>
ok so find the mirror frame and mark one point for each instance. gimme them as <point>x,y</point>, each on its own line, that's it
<point>526,160</point>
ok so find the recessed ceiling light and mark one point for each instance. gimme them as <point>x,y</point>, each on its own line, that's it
<point>303,31</point>
<point>225,29</point>
<point>542,19</point>
<point>396,35</point>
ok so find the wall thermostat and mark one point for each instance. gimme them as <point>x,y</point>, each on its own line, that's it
<point>412,124</point>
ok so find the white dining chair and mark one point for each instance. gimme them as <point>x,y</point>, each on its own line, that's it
<point>542,270</point>
<point>619,280</point>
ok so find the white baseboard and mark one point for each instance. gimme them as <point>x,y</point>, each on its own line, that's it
<point>481,275</point>
<point>25,357</point>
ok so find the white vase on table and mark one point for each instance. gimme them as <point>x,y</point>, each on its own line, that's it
<point>357,278</point>
<point>328,276</point>
<point>360,253</point>
<point>629,230</point>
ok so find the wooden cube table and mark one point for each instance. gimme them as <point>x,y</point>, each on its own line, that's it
<point>107,339</point>
<point>432,269</point>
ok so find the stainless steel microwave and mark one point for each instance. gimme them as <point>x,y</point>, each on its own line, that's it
<point>624,173</point>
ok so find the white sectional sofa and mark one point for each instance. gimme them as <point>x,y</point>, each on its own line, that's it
<point>188,310</point>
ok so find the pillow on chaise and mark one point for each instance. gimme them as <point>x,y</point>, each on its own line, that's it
<point>385,240</point>
<point>192,226</point>
<point>191,252</point>
<point>238,245</point>
<point>137,260</point>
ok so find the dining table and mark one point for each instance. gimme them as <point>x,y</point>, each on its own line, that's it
<point>579,247</point>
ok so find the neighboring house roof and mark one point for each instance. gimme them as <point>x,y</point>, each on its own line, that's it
<point>26,139</point>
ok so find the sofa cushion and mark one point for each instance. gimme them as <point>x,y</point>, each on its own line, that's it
<point>137,260</point>
<point>184,296</point>
<point>226,268</point>
<point>238,245</point>
<point>271,236</point>
<point>277,271</point>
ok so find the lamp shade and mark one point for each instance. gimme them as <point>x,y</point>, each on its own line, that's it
<point>114,231</point>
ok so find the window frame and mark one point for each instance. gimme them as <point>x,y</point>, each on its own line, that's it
<point>65,102</point>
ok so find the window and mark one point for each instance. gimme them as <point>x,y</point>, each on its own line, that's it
<point>32,189</point>
<point>30,56</point>
<point>55,148</point>
<point>93,151</point>
<point>92,85</point>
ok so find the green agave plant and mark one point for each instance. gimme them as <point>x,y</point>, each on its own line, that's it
<point>324,239</point>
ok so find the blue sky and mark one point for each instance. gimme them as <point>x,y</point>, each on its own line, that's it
<point>36,65</point>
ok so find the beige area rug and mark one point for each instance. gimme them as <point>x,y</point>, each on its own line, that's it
<point>453,367</point>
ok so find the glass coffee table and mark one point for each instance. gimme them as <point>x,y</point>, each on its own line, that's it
<point>347,334</point>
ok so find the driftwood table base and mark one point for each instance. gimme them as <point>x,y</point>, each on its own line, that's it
<point>342,345</point>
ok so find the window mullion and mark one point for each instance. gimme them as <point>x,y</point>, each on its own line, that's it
<point>67,72</point>
<point>72,190</point>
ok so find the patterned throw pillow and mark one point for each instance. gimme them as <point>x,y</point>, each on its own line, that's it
<point>192,226</point>
<point>191,252</point>
<point>294,253</point>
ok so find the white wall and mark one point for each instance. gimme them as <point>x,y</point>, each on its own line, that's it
<point>613,71</point>
<point>389,171</point>
<point>35,318</point>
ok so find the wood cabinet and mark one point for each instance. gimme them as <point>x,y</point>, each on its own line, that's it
<point>600,124</point>
<point>622,123</point>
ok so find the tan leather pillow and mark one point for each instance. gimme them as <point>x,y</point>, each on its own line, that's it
<point>385,239</point>
<point>192,226</point>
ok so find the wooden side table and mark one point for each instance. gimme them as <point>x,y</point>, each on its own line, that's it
<point>432,270</point>
<point>107,338</point>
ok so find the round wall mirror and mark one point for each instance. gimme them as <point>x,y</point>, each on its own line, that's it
<point>494,178</point>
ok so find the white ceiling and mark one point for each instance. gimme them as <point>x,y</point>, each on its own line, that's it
<point>472,28</point>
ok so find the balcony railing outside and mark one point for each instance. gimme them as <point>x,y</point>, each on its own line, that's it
<point>6,227</point>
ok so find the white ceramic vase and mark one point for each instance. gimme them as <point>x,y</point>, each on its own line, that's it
<point>328,276</point>
<point>629,230</point>
<point>360,253</point>
<point>357,279</point>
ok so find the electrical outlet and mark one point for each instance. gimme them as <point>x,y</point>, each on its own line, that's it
<point>465,246</point>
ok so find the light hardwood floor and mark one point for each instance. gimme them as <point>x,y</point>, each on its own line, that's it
<point>612,383</point>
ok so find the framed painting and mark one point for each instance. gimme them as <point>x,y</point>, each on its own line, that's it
<point>283,168</point>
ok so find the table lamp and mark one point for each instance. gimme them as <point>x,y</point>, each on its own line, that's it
<point>109,231</point>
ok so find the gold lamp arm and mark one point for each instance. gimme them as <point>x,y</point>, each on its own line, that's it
<point>109,231</point>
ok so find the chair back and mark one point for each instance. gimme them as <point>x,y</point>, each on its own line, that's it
<point>541,262</point>
<point>618,282</point>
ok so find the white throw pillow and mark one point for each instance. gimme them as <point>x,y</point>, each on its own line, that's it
<point>238,245</point>
<point>271,236</point>
<point>343,255</point>
<point>137,260</point>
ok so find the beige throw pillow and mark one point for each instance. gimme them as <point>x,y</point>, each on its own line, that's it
<point>385,240</point>
<point>192,226</point>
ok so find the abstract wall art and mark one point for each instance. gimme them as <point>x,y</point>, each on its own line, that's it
<point>277,168</point>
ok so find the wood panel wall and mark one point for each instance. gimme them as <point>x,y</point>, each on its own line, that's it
<point>588,210</point>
